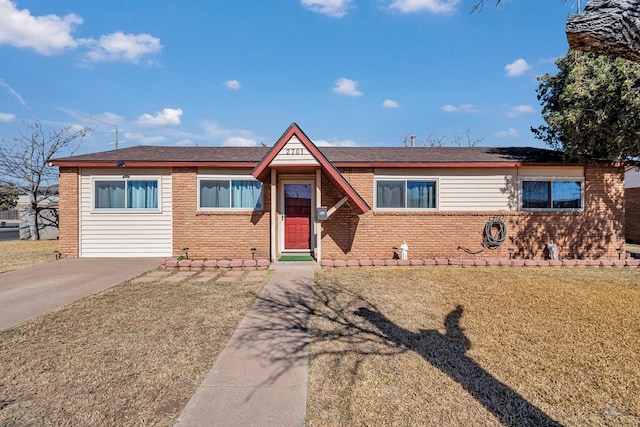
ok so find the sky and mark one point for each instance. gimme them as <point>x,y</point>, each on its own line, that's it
<point>220,72</point>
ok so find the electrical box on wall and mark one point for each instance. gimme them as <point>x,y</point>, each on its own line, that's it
<point>321,214</point>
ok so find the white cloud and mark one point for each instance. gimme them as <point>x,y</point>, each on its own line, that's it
<point>214,131</point>
<point>6,117</point>
<point>111,118</point>
<point>332,8</point>
<point>238,141</point>
<point>509,133</point>
<point>519,110</point>
<point>166,117</point>
<point>121,47</point>
<point>434,6</point>
<point>338,143</point>
<point>390,104</point>
<point>232,84</point>
<point>13,92</point>
<point>45,34</point>
<point>517,67</point>
<point>51,34</point>
<point>464,108</point>
<point>346,87</point>
<point>229,137</point>
<point>144,140</point>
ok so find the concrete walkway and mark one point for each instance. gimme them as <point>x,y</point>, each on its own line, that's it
<point>260,378</point>
<point>30,292</point>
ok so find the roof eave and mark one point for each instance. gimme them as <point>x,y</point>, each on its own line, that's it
<point>151,164</point>
<point>262,168</point>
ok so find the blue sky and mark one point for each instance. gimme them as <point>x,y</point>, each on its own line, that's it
<point>349,72</point>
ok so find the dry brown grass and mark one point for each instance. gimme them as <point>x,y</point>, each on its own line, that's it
<point>132,355</point>
<point>476,346</point>
<point>16,254</point>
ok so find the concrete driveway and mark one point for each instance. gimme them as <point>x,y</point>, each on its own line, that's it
<point>33,291</point>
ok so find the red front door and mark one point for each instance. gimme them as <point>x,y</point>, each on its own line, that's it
<point>297,216</point>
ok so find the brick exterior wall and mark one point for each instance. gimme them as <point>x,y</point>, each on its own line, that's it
<point>68,213</point>
<point>215,235</point>
<point>594,233</point>
<point>632,212</point>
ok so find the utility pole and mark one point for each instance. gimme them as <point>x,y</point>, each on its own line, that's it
<point>116,141</point>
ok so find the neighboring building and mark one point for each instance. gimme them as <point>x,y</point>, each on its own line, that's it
<point>221,202</point>
<point>47,213</point>
<point>48,197</point>
<point>632,205</point>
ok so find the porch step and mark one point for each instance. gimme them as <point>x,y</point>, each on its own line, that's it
<point>295,257</point>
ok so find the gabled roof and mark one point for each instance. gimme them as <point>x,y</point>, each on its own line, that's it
<point>150,156</point>
<point>329,158</point>
<point>441,156</point>
<point>262,168</point>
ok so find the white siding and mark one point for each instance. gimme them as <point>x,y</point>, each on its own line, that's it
<point>632,179</point>
<point>294,153</point>
<point>125,234</point>
<point>480,189</point>
<point>466,189</point>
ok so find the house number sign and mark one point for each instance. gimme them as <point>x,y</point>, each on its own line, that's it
<point>294,151</point>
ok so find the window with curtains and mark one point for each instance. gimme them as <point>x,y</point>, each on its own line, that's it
<point>227,193</point>
<point>552,195</point>
<point>406,194</point>
<point>126,194</point>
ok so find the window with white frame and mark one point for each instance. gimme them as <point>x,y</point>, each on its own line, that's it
<point>406,194</point>
<point>552,195</point>
<point>125,194</point>
<point>229,193</point>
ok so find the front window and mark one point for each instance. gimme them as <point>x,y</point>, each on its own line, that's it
<point>230,194</point>
<point>551,195</point>
<point>406,194</point>
<point>126,194</point>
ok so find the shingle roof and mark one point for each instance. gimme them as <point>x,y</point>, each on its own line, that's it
<point>440,154</point>
<point>147,153</point>
<point>337,155</point>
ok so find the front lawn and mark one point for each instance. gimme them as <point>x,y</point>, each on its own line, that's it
<point>451,346</point>
<point>16,254</point>
<point>132,355</point>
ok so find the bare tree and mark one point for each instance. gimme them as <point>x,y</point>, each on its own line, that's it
<point>466,139</point>
<point>24,164</point>
<point>434,139</point>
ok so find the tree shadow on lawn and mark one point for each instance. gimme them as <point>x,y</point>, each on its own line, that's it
<point>345,317</point>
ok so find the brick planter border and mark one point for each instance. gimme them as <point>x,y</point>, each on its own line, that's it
<point>355,263</point>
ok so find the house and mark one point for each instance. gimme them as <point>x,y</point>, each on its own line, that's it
<point>632,204</point>
<point>337,202</point>
<point>47,213</point>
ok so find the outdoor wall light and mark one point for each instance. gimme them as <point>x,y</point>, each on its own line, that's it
<point>120,163</point>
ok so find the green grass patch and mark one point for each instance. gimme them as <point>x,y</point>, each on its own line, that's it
<point>296,258</point>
